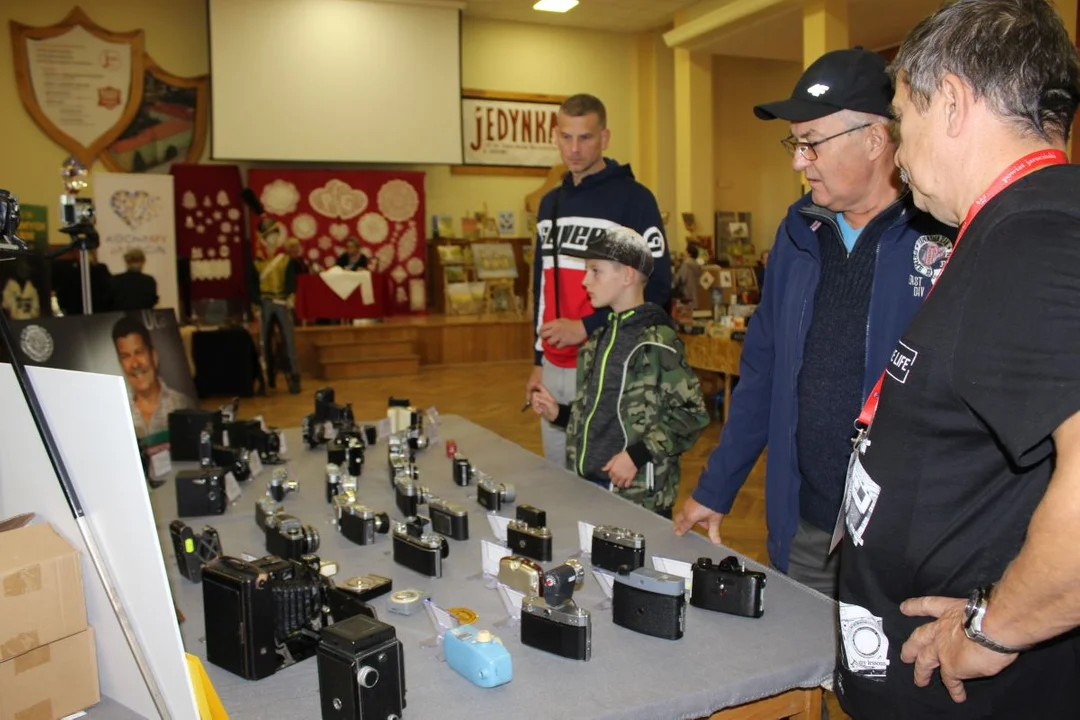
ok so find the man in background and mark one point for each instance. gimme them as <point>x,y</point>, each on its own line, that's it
<point>134,289</point>
<point>596,194</point>
<point>849,266</point>
<point>151,399</point>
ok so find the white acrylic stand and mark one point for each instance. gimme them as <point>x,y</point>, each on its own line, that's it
<point>91,420</point>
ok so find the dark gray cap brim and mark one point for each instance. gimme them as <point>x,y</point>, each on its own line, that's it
<point>794,110</point>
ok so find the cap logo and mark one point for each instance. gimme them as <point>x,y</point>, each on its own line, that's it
<point>818,90</point>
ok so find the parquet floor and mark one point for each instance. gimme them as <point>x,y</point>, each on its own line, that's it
<point>491,395</point>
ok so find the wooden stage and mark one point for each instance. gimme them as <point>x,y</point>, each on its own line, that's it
<point>399,346</point>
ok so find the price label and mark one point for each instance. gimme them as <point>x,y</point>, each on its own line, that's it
<point>232,488</point>
<point>284,446</point>
<point>605,580</point>
<point>585,531</point>
<point>490,555</point>
<point>161,464</point>
<point>255,463</point>
<point>511,601</point>
<point>680,568</point>
<point>498,525</point>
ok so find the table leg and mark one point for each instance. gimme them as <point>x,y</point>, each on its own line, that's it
<point>798,704</point>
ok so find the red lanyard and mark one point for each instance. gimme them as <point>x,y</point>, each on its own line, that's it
<point>1023,166</point>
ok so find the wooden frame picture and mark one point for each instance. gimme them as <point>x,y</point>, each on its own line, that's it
<point>84,126</point>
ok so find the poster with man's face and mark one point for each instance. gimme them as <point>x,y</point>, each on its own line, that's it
<point>144,347</point>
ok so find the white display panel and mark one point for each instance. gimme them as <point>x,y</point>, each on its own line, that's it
<point>369,81</point>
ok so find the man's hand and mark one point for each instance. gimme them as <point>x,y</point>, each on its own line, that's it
<point>621,469</point>
<point>544,404</point>
<point>943,644</point>
<point>694,513</point>
<point>563,333</point>
<point>536,380</point>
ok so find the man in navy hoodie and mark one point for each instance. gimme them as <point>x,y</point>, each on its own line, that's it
<point>850,264</point>
<point>596,194</point>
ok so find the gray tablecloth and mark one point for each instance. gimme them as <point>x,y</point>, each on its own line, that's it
<point>721,661</point>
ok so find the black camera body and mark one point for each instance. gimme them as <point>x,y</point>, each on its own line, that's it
<point>531,516</point>
<point>287,537</point>
<point>559,583</point>
<point>193,550</point>
<point>185,427</point>
<point>615,547</point>
<point>359,523</point>
<point>266,507</point>
<point>328,420</point>
<point>347,452</point>
<point>650,602</point>
<point>281,484</point>
<point>249,434</point>
<point>409,495</point>
<point>532,542</point>
<point>200,492</point>
<point>264,615</point>
<point>463,471</point>
<point>234,460</point>
<point>368,587</point>
<point>493,495</point>
<point>564,630</point>
<point>419,551</point>
<point>728,587</point>
<point>361,671</point>
<point>449,519</point>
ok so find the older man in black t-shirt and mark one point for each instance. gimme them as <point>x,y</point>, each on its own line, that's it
<point>960,575</point>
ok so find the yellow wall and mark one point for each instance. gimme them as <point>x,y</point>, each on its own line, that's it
<point>495,56</point>
<point>753,173</point>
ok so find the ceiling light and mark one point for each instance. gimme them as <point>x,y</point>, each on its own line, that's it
<point>555,5</point>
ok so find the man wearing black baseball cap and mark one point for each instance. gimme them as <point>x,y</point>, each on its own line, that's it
<point>848,268</point>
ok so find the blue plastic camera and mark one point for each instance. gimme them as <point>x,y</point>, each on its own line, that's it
<point>478,656</point>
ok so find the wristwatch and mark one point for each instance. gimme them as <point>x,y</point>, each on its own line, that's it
<point>975,613</point>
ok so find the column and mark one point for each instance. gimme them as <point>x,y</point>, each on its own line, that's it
<point>694,161</point>
<point>825,28</point>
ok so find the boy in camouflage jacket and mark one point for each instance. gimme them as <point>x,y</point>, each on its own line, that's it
<point>639,405</point>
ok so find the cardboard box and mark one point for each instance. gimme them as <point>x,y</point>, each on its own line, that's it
<point>51,682</point>
<point>41,592</point>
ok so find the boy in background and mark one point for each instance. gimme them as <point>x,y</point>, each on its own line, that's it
<point>638,405</point>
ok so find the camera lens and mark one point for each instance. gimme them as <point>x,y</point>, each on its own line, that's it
<point>508,492</point>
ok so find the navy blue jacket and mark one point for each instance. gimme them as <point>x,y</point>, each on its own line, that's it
<point>764,406</point>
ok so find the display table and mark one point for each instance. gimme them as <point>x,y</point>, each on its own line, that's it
<point>714,354</point>
<point>722,660</point>
<point>316,301</point>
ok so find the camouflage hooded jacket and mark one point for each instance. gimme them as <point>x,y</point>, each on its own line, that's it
<point>635,393</point>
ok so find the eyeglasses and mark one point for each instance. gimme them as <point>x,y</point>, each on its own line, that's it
<point>806,149</point>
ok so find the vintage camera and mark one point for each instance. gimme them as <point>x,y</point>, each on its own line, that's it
<point>614,547</point>
<point>407,602</point>
<point>418,550</point>
<point>200,492</point>
<point>493,495</point>
<point>314,426</point>
<point>522,574</point>
<point>565,630</point>
<point>193,550</point>
<point>265,615</point>
<point>650,602</point>
<point>338,482</point>
<point>361,671</point>
<point>449,519</point>
<point>347,452</point>
<point>234,460</point>
<point>229,410</point>
<point>9,222</point>
<point>403,473</point>
<point>531,516</point>
<point>409,496</point>
<point>728,587</point>
<point>249,434</point>
<point>478,656</point>
<point>289,538</point>
<point>368,587</point>
<point>281,484</point>
<point>400,458</point>
<point>407,420</point>
<point>266,507</point>
<point>185,430</point>
<point>532,542</point>
<point>560,582</point>
<point>359,523</point>
<point>463,471</point>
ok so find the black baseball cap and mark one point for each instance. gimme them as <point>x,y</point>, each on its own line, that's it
<point>852,79</point>
<point>622,245</point>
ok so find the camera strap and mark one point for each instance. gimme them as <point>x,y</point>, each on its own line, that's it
<point>556,247</point>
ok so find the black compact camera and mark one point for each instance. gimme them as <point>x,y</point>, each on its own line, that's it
<point>560,582</point>
<point>565,630</point>
<point>200,492</point>
<point>266,507</point>
<point>409,495</point>
<point>493,495</point>
<point>234,460</point>
<point>650,602</point>
<point>193,550</point>
<point>249,434</point>
<point>361,671</point>
<point>289,538</point>
<point>728,587</point>
<point>281,484</point>
<point>265,615</point>
<point>531,516</point>
<point>337,482</point>
<point>615,547</point>
<point>329,419</point>
<point>449,519</point>
<point>359,523</point>
<point>185,430</point>
<point>532,542</point>
<point>347,452</point>
<point>418,550</point>
<point>463,471</point>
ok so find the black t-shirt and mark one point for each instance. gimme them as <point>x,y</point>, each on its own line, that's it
<point>960,454</point>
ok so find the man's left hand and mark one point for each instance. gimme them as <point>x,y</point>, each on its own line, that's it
<point>563,332</point>
<point>621,469</point>
<point>943,644</point>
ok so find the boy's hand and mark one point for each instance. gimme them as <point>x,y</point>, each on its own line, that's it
<point>621,469</point>
<point>694,513</point>
<point>544,404</point>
